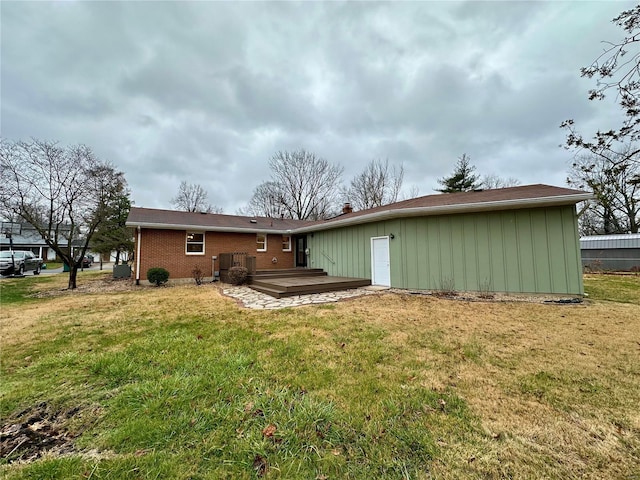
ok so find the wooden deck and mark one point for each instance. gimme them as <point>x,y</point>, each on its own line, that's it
<point>291,282</point>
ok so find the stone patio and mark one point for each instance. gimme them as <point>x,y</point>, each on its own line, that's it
<point>252,299</point>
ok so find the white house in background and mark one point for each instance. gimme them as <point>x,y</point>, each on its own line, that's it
<point>28,239</point>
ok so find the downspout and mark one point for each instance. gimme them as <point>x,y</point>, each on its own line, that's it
<point>138,255</point>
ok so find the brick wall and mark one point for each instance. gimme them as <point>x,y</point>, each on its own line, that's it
<point>166,249</point>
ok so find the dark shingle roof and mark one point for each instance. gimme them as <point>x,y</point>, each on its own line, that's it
<point>498,199</point>
<point>172,219</point>
<point>526,196</point>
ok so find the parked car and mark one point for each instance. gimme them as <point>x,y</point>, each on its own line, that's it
<point>23,261</point>
<point>87,261</point>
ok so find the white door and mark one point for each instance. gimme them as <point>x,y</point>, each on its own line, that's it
<point>380,265</point>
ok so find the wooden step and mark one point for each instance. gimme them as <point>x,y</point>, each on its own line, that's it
<point>290,271</point>
<point>266,276</point>
<point>291,286</point>
<point>285,273</point>
<point>269,291</point>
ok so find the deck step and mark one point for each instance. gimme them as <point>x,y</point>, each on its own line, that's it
<point>291,286</point>
<point>269,291</point>
<point>267,276</point>
<point>290,271</point>
<point>285,273</point>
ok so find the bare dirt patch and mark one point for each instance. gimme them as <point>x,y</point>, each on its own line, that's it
<point>100,284</point>
<point>29,434</point>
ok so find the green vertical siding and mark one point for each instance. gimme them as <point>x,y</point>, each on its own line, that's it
<point>484,264</point>
<point>528,250</point>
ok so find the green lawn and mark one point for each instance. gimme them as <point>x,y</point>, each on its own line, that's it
<point>623,288</point>
<point>179,382</point>
<point>53,265</point>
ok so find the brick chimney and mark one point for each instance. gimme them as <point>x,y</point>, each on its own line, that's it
<point>347,208</point>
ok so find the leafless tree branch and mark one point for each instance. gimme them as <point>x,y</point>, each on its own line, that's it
<point>192,197</point>
<point>377,185</point>
<point>62,192</point>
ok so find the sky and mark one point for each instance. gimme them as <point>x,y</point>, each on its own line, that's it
<point>207,92</point>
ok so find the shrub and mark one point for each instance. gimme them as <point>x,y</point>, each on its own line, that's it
<point>238,275</point>
<point>197,275</point>
<point>157,275</point>
<point>447,288</point>
<point>485,289</point>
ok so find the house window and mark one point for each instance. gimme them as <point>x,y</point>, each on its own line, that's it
<point>261,242</point>
<point>195,243</point>
<point>286,243</point>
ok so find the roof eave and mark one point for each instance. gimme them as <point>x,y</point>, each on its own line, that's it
<point>450,209</point>
<point>206,228</point>
<point>557,200</point>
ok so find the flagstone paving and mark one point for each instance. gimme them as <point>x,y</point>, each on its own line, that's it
<point>252,299</point>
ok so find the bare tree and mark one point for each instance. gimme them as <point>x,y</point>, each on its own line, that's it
<point>375,186</point>
<point>493,181</point>
<point>617,69</point>
<point>413,192</point>
<point>616,208</point>
<point>302,186</point>
<point>267,201</point>
<point>62,192</point>
<point>192,197</point>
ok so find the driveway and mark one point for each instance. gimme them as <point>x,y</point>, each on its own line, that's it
<point>55,271</point>
<point>95,266</point>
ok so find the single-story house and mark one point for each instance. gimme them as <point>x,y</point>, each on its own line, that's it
<point>519,239</point>
<point>25,237</point>
<point>611,252</point>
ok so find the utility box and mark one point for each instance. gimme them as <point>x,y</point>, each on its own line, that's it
<point>121,271</point>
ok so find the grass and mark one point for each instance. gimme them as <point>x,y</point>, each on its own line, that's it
<point>17,291</point>
<point>179,382</point>
<point>622,288</point>
<point>53,265</point>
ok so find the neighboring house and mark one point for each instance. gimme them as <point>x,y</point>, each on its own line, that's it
<point>28,238</point>
<point>519,239</point>
<point>611,252</point>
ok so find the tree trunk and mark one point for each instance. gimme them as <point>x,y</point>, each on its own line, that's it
<point>73,273</point>
<point>117,257</point>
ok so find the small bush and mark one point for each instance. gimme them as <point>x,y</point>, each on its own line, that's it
<point>197,275</point>
<point>238,275</point>
<point>447,288</point>
<point>157,275</point>
<point>485,289</point>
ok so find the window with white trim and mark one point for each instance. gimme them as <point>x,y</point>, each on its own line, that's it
<point>261,242</point>
<point>195,243</point>
<point>286,243</point>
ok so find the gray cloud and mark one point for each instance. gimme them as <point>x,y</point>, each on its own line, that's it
<point>207,92</point>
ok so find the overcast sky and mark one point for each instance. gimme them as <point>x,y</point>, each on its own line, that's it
<point>207,92</point>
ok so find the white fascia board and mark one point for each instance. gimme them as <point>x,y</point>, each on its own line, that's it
<point>450,209</point>
<point>204,228</point>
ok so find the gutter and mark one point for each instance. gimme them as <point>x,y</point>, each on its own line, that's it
<point>138,255</point>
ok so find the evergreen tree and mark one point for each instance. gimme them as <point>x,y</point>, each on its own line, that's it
<point>462,180</point>
<point>113,235</point>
